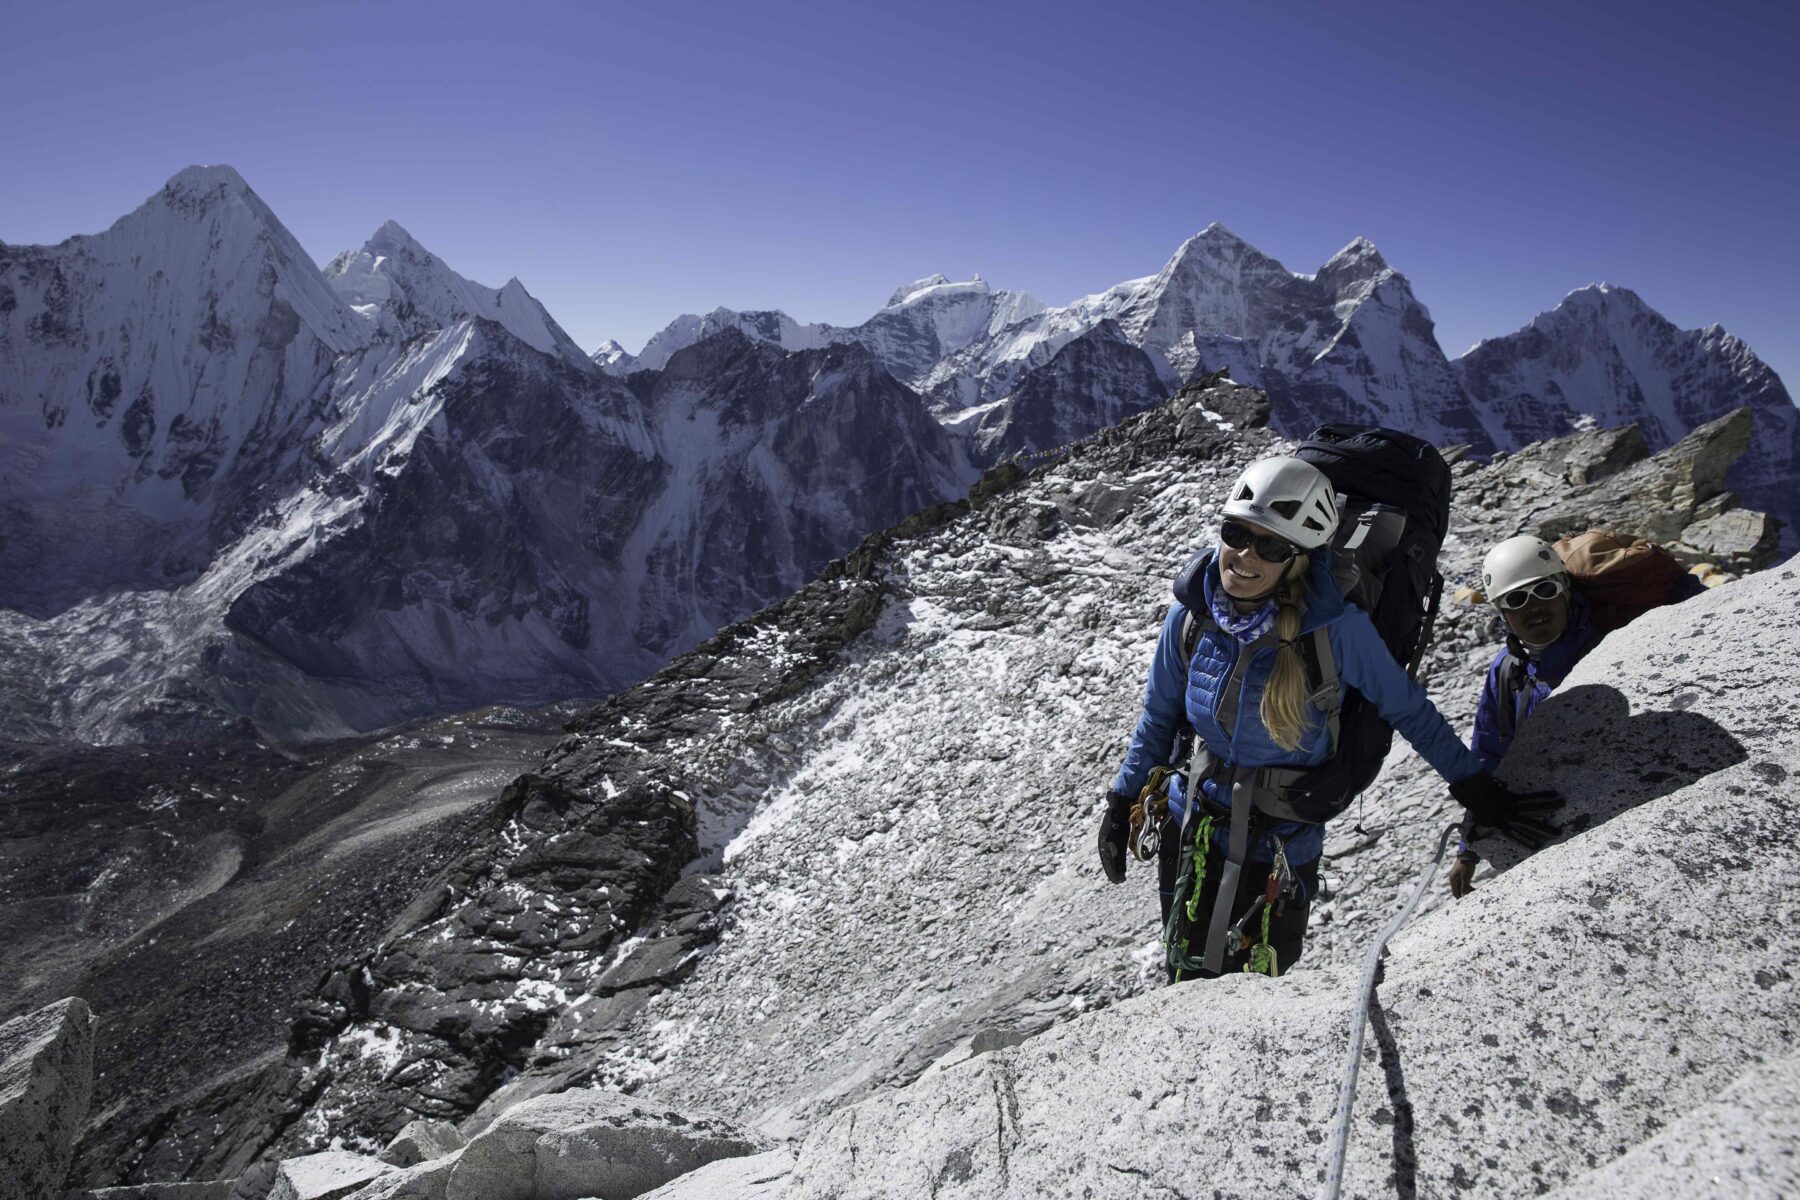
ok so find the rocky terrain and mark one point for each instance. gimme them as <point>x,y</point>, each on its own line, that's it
<point>845,846</point>
<point>193,893</point>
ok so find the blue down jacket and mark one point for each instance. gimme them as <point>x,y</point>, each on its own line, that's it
<point>1543,672</point>
<point>1189,692</point>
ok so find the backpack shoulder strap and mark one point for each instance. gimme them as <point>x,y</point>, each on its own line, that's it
<point>1514,683</point>
<point>1327,693</point>
<point>1191,628</point>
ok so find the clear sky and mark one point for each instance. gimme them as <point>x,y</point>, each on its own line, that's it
<point>630,162</point>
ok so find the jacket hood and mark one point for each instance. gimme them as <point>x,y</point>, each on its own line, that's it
<point>1196,582</point>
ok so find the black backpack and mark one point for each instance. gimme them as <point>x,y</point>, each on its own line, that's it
<point>1395,505</point>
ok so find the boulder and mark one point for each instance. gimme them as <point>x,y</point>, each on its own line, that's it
<point>328,1175</point>
<point>752,1177</point>
<point>1738,540</point>
<point>589,1143</point>
<point>214,1189</point>
<point>46,1081</point>
<point>1657,498</point>
<point>421,1141</point>
<point>426,1180</point>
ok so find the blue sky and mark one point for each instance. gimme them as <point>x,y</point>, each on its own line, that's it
<point>630,162</point>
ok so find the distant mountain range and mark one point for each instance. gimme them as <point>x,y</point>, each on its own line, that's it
<point>237,488</point>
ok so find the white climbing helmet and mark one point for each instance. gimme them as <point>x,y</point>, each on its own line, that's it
<point>1288,497</point>
<point>1516,562</point>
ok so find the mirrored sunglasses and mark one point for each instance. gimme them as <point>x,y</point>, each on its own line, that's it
<point>1269,548</point>
<point>1543,589</point>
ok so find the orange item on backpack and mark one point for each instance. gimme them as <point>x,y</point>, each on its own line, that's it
<point>1620,576</point>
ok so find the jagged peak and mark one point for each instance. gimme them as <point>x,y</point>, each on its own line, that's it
<point>919,289</point>
<point>1599,295</point>
<point>1213,247</point>
<point>1215,237</point>
<point>391,236</point>
<point>918,285</point>
<point>200,178</point>
<point>1217,231</point>
<point>1360,255</point>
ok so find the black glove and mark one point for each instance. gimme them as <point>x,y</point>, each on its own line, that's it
<point>1516,815</point>
<point>1115,827</point>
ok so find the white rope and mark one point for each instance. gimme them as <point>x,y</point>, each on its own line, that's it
<point>1359,1019</point>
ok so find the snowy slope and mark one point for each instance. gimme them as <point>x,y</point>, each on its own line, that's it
<point>157,384</point>
<point>404,290</point>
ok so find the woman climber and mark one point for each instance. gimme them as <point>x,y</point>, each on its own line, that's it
<point>1250,609</point>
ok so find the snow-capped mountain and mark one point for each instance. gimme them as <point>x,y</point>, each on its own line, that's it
<point>1604,356</point>
<point>614,359</point>
<point>921,323</point>
<point>1348,343</point>
<point>925,321</point>
<point>441,503</point>
<point>776,328</point>
<point>405,290</point>
<point>234,485</point>
<point>158,384</point>
<point>547,535</point>
<point>1100,378</point>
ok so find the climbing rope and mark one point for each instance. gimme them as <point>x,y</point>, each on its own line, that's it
<point>1191,879</point>
<point>1359,1019</point>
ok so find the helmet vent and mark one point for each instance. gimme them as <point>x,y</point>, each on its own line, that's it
<point>1287,508</point>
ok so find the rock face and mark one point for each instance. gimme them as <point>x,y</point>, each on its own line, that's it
<point>217,1189</point>
<point>46,1079</point>
<point>1740,1144</point>
<point>752,1177</point>
<point>421,1141</point>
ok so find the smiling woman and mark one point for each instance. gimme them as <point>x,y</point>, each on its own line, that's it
<point>1263,601</point>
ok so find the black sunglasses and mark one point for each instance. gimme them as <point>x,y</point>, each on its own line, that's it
<point>1269,548</point>
<point>1543,589</point>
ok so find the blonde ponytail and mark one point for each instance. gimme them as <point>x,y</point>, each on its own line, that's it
<point>1285,698</point>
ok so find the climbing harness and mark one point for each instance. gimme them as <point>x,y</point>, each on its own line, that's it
<point>1359,1019</point>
